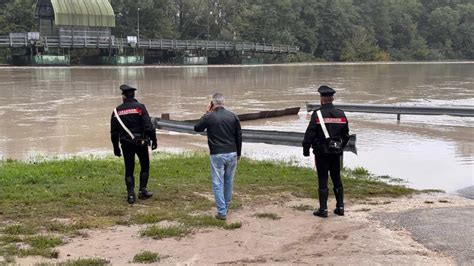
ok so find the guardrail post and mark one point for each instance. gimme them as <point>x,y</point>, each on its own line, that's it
<point>398,116</point>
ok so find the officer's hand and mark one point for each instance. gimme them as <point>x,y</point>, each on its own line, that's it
<point>117,152</point>
<point>305,153</point>
<point>154,145</point>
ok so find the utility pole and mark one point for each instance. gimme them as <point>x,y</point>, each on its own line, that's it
<point>138,25</point>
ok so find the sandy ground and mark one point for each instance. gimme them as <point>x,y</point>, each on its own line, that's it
<point>297,238</point>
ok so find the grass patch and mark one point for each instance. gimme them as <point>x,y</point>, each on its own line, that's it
<point>267,215</point>
<point>44,242</point>
<point>85,262</point>
<point>30,246</point>
<point>303,207</point>
<point>146,257</point>
<point>233,226</point>
<point>207,221</point>
<point>159,232</point>
<point>18,229</point>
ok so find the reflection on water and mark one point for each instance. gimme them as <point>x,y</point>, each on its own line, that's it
<point>55,111</point>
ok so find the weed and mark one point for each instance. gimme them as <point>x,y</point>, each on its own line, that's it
<point>158,232</point>
<point>19,229</point>
<point>146,257</point>
<point>233,226</point>
<point>86,262</point>
<point>266,215</point>
<point>303,207</point>
<point>44,242</point>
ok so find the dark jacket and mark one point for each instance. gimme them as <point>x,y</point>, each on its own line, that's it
<point>224,134</point>
<point>336,124</point>
<point>135,117</point>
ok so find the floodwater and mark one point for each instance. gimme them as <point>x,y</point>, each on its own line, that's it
<point>57,111</point>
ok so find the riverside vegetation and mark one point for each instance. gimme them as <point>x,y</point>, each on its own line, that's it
<point>46,202</point>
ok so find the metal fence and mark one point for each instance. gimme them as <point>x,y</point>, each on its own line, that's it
<point>399,110</point>
<point>158,44</point>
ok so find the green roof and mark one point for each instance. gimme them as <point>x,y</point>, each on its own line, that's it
<point>86,13</point>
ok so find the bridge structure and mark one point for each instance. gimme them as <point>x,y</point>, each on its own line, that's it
<point>21,40</point>
<point>72,27</point>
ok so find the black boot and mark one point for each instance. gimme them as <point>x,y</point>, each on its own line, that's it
<point>144,193</point>
<point>323,206</point>
<point>130,183</point>
<point>339,193</point>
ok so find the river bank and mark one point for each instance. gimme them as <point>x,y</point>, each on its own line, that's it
<point>48,204</point>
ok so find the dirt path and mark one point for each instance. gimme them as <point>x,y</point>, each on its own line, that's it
<point>297,238</point>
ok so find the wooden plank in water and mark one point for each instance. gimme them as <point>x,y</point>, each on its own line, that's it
<point>262,114</point>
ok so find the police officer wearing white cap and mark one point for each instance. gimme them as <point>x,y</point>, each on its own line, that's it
<point>327,134</point>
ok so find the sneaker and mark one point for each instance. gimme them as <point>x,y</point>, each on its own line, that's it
<point>321,213</point>
<point>144,194</point>
<point>220,217</point>
<point>131,198</point>
<point>339,211</point>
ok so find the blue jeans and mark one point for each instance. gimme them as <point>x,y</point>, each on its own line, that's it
<point>222,171</point>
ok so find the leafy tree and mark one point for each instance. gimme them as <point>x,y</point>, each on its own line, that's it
<point>347,30</point>
<point>17,16</point>
<point>443,26</point>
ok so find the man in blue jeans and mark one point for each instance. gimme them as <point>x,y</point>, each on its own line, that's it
<point>224,136</point>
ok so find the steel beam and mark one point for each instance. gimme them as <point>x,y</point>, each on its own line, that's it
<point>285,138</point>
<point>465,111</point>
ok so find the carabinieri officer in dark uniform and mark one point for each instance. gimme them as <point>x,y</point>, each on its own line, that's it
<point>327,151</point>
<point>135,118</point>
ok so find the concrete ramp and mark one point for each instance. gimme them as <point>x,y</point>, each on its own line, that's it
<point>466,192</point>
<point>447,230</point>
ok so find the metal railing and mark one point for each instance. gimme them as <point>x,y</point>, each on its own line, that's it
<point>158,44</point>
<point>250,135</point>
<point>399,110</point>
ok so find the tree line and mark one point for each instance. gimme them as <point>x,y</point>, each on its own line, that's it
<point>334,30</point>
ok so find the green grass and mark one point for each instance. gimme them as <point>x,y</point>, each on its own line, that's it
<point>37,245</point>
<point>159,232</point>
<point>64,196</point>
<point>80,188</point>
<point>85,262</point>
<point>266,215</point>
<point>18,229</point>
<point>233,226</point>
<point>146,257</point>
<point>303,207</point>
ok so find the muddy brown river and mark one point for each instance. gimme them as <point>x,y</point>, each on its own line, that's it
<point>65,111</point>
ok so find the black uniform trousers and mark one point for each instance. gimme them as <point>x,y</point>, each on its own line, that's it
<point>328,163</point>
<point>129,150</point>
